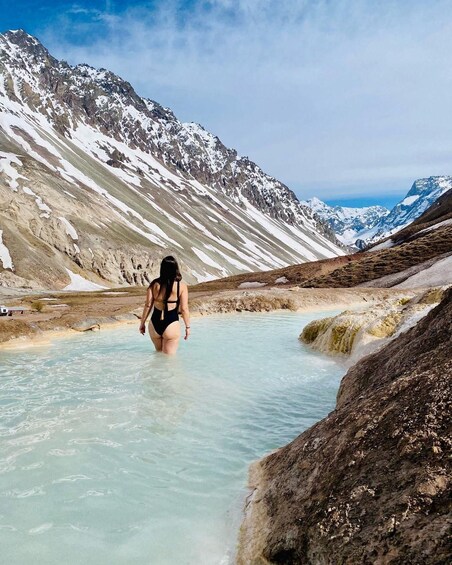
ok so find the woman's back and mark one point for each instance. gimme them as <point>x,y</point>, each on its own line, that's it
<point>159,293</point>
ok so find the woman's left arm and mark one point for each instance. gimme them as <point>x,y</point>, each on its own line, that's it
<point>184,310</point>
<point>146,310</point>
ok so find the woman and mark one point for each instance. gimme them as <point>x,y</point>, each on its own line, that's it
<point>167,294</point>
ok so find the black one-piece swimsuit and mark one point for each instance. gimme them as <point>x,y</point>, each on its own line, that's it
<point>161,319</point>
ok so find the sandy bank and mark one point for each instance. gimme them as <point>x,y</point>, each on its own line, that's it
<point>45,338</point>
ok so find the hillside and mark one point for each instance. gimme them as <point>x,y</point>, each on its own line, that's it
<point>99,183</point>
<point>416,248</point>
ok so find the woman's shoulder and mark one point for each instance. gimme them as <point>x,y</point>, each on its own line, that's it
<point>154,284</point>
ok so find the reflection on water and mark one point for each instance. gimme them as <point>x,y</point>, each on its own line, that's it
<point>113,454</point>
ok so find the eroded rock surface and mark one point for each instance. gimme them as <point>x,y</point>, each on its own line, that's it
<point>371,482</point>
<point>355,333</point>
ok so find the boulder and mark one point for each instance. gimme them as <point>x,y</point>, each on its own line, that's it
<point>87,325</point>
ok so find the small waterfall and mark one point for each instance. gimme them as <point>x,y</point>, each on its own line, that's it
<point>358,333</point>
<point>333,335</point>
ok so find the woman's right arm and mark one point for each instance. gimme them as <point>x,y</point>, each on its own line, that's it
<point>185,312</point>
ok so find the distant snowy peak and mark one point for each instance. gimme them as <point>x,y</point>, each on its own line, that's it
<point>348,223</point>
<point>361,227</point>
<point>421,196</point>
<point>423,193</point>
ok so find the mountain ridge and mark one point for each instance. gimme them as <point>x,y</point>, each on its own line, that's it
<point>361,227</point>
<point>79,146</point>
<point>347,222</point>
<point>422,194</point>
<point>108,81</point>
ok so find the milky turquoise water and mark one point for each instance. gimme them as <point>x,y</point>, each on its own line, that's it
<point>113,454</point>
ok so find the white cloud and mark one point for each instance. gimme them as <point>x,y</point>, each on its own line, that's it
<point>333,98</point>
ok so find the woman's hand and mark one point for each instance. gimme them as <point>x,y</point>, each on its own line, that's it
<point>142,328</point>
<point>187,333</point>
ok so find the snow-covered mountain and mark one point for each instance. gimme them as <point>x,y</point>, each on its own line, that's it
<point>348,223</point>
<point>97,182</point>
<point>422,194</point>
<point>365,226</point>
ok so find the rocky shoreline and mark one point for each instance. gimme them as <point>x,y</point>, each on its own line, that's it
<point>67,313</point>
<point>371,482</point>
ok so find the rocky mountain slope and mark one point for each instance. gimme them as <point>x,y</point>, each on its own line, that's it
<point>370,483</point>
<point>349,224</point>
<point>98,183</point>
<point>418,255</point>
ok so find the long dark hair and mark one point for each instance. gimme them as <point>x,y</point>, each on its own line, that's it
<point>169,272</point>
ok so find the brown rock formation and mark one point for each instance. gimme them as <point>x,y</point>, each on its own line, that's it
<point>371,482</point>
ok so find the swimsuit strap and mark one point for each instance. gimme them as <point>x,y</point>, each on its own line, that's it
<point>166,302</point>
<point>178,297</point>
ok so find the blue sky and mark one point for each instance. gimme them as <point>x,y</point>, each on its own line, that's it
<point>347,100</point>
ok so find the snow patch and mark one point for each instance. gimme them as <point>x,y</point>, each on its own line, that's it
<point>6,160</point>
<point>5,256</point>
<point>203,277</point>
<point>436,226</point>
<point>383,245</point>
<point>81,284</point>
<point>208,260</point>
<point>439,274</point>
<point>253,284</point>
<point>70,230</point>
<point>229,259</point>
<point>39,202</point>
<point>409,200</point>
